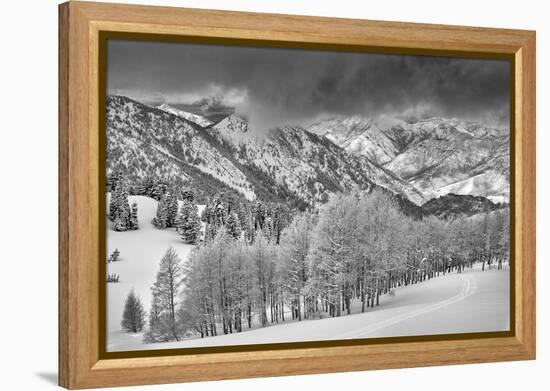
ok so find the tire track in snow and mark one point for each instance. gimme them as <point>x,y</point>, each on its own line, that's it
<point>468,288</point>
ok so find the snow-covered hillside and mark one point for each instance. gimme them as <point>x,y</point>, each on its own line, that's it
<point>232,129</point>
<point>287,164</point>
<point>137,267</point>
<point>305,163</point>
<point>146,141</point>
<point>360,135</point>
<point>473,301</point>
<point>438,156</point>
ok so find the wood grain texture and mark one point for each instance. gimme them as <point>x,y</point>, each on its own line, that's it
<point>80,24</point>
<point>63,220</point>
<point>526,93</point>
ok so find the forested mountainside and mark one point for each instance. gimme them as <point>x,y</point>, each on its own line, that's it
<point>453,205</point>
<point>289,164</point>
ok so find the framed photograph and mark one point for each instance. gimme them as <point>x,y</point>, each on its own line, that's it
<point>247,195</point>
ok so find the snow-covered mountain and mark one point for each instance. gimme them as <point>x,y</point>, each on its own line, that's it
<point>305,162</point>
<point>437,156</point>
<point>360,135</point>
<point>195,118</point>
<point>288,164</point>
<point>142,140</point>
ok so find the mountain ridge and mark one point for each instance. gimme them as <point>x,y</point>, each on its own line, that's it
<point>289,164</point>
<point>431,154</point>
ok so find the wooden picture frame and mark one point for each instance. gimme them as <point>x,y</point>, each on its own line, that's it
<point>82,364</point>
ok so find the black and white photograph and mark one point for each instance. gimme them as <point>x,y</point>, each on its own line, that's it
<point>262,195</point>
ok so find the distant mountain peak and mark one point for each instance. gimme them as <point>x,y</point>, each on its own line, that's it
<point>233,129</point>
<point>195,118</point>
<point>436,155</point>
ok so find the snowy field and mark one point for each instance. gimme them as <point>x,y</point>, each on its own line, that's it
<point>140,254</point>
<point>473,301</point>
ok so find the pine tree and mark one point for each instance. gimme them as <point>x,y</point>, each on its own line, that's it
<point>112,180</point>
<point>133,316</point>
<point>268,230</point>
<point>114,256</point>
<point>187,194</point>
<point>189,224</point>
<point>116,200</point>
<point>119,208</point>
<point>160,221</point>
<point>166,291</point>
<point>207,216</point>
<point>119,225</point>
<point>171,209</point>
<point>133,222</point>
<point>233,226</point>
<point>147,186</point>
<point>123,220</point>
<point>114,203</point>
<point>159,189</point>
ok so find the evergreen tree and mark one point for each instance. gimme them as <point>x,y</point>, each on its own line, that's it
<point>233,226</point>
<point>133,222</point>
<point>171,209</point>
<point>159,189</point>
<point>207,217</point>
<point>268,230</point>
<point>123,223</point>
<point>160,221</point>
<point>187,194</point>
<point>113,206</point>
<point>189,224</point>
<point>114,256</point>
<point>112,180</point>
<point>147,186</point>
<point>119,208</point>
<point>259,215</point>
<point>133,316</point>
<point>119,224</point>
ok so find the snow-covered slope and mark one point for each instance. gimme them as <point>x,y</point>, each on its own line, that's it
<point>233,129</point>
<point>436,155</point>
<point>473,301</point>
<point>137,266</point>
<point>146,141</point>
<point>195,118</point>
<point>360,135</point>
<point>305,163</point>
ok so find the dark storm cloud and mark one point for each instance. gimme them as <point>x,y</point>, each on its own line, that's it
<point>277,86</point>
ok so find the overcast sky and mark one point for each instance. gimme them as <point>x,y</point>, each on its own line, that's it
<point>286,86</point>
